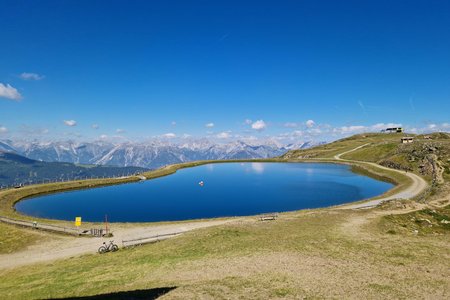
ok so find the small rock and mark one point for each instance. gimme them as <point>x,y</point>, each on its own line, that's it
<point>445,221</point>
<point>416,231</point>
<point>425,220</point>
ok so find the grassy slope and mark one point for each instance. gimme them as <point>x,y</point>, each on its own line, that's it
<point>14,238</point>
<point>425,221</point>
<point>301,255</point>
<point>315,254</point>
<point>386,149</point>
<point>406,156</point>
<point>331,149</point>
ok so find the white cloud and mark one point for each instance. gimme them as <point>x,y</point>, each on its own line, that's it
<point>7,91</point>
<point>169,135</point>
<point>73,134</point>
<point>315,131</point>
<point>259,125</point>
<point>354,129</point>
<point>3,130</point>
<point>310,123</point>
<point>325,131</point>
<point>113,138</point>
<point>31,131</point>
<point>435,127</point>
<point>223,135</point>
<point>429,128</point>
<point>173,123</point>
<point>249,138</point>
<point>95,126</point>
<point>70,123</point>
<point>290,135</point>
<point>381,126</point>
<point>297,133</point>
<point>120,130</point>
<point>290,125</point>
<point>209,125</point>
<point>31,76</point>
<point>247,122</point>
<point>349,129</point>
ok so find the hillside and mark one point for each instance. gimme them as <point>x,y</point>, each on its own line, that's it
<point>427,155</point>
<point>16,169</point>
<point>394,251</point>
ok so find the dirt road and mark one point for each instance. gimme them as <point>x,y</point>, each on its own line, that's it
<point>59,246</point>
<point>418,184</point>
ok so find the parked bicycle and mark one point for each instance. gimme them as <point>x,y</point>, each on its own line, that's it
<point>111,247</point>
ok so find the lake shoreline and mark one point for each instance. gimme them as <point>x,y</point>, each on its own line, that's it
<point>13,196</point>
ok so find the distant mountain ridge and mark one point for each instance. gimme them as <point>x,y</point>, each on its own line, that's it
<point>17,170</point>
<point>152,154</point>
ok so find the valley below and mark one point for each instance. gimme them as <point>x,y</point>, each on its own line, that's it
<point>394,249</point>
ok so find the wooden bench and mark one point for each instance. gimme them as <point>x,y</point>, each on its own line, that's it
<point>269,217</point>
<point>149,239</point>
<point>96,232</point>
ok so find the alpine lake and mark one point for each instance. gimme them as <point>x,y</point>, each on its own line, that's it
<point>210,191</point>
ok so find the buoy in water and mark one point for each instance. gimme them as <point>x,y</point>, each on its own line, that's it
<point>201,183</point>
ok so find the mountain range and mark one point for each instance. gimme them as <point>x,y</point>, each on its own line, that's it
<point>18,170</point>
<point>151,154</point>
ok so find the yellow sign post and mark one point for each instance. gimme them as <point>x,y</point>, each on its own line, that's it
<point>78,221</point>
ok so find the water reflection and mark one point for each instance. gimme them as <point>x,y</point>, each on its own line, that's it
<point>309,171</point>
<point>230,189</point>
<point>258,168</point>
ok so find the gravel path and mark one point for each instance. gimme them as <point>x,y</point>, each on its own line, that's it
<point>61,247</point>
<point>67,246</point>
<point>418,184</point>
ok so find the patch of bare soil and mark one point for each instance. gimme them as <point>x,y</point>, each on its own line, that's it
<point>59,246</point>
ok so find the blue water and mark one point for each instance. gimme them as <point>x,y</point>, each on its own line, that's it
<point>230,189</point>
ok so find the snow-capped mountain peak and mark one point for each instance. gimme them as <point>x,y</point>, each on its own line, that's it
<point>150,154</point>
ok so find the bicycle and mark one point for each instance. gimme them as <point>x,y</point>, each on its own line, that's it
<point>111,247</point>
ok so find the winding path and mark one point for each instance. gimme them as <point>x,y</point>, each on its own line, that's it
<point>418,183</point>
<point>60,247</point>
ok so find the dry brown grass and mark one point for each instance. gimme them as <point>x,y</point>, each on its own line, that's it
<point>322,253</point>
<point>14,238</point>
<point>303,254</point>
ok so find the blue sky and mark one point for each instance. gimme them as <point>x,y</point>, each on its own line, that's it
<point>285,69</point>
